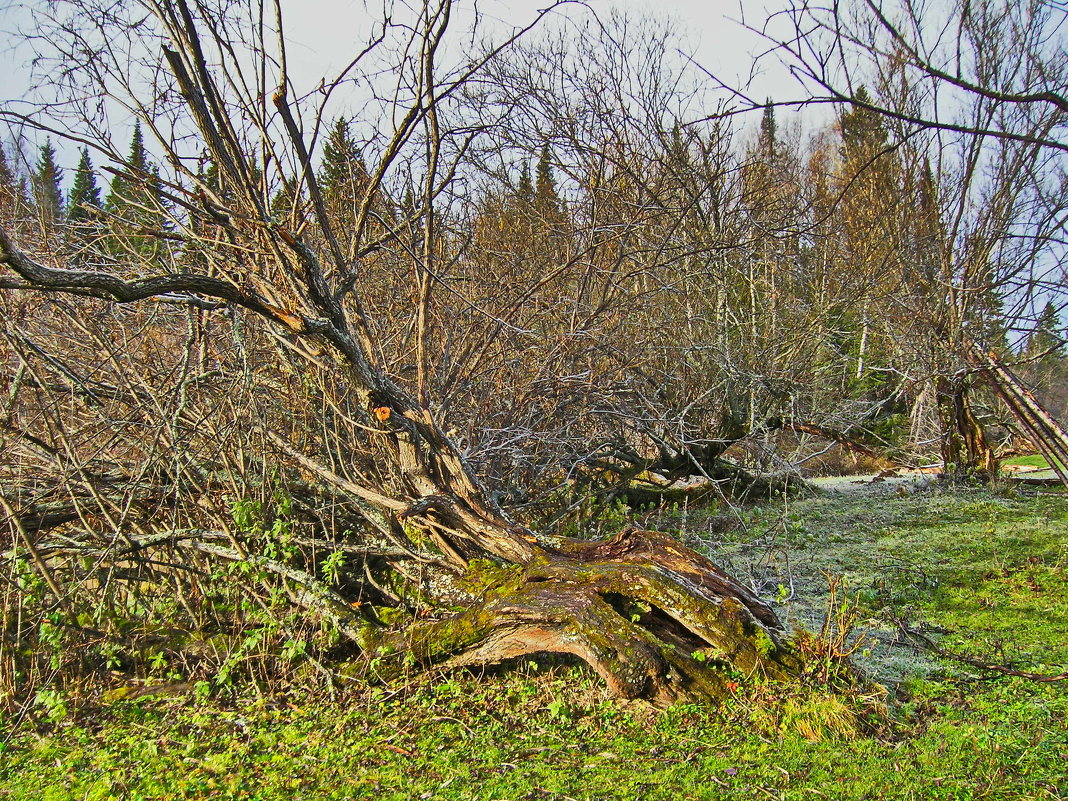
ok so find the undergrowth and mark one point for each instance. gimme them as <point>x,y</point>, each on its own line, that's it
<point>555,736</point>
<point>984,574</point>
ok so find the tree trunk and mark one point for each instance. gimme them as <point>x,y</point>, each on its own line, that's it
<point>655,619</point>
<point>965,449</point>
<point>652,618</point>
<point>1046,433</point>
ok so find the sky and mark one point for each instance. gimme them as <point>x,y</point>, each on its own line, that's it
<point>712,29</point>
<point>323,34</point>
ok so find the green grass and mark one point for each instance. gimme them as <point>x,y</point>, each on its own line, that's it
<point>1033,460</point>
<point>518,738</point>
<point>988,572</point>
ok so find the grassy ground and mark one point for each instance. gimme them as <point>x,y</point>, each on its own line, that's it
<point>986,575</point>
<point>1032,460</point>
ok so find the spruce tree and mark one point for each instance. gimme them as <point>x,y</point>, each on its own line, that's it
<point>863,131</point>
<point>341,155</point>
<point>342,177</point>
<point>135,206</point>
<point>84,199</point>
<point>47,180</point>
<point>545,186</point>
<point>525,191</point>
<point>869,212</point>
<point>768,141</point>
<point>546,199</point>
<point>125,192</point>
<point>1047,335</point>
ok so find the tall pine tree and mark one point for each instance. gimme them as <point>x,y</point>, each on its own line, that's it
<point>136,208</point>
<point>84,200</point>
<point>1047,336</point>
<point>546,199</point>
<point>768,139</point>
<point>83,213</point>
<point>126,190</point>
<point>545,185</point>
<point>525,192</point>
<point>47,181</point>
<point>343,178</point>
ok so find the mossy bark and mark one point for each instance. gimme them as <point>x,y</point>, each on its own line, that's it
<point>965,448</point>
<point>652,618</point>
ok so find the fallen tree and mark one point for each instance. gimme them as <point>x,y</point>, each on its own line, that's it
<point>654,619</point>
<point>315,401</point>
<point>1035,420</point>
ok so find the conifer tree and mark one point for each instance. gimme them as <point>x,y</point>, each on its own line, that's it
<point>869,180</point>
<point>137,189</point>
<point>1047,335</point>
<point>525,190</point>
<point>84,199</point>
<point>135,206</point>
<point>284,202</point>
<point>343,177</point>
<point>47,180</point>
<point>84,223</point>
<point>768,140</point>
<point>545,186</point>
<point>546,198</point>
<point>863,132</point>
<point>341,154</point>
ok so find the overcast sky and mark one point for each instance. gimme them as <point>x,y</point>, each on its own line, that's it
<point>711,29</point>
<point>324,34</point>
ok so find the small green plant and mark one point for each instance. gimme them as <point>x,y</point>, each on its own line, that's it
<point>52,637</point>
<point>763,643</point>
<point>294,649</point>
<point>53,703</point>
<point>826,654</point>
<point>247,515</point>
<point>557,707</point>
<point>331,567</point>
<point>158,662</point>
<point>110,654</point>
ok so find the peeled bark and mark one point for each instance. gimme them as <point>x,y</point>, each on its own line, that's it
<point>1047,434</point>
<point>653,618</point>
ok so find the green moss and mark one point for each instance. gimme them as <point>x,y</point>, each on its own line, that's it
<point>764,646</point>
<point>484,577</point>
<point>392,615</point>
<point>444,637</point>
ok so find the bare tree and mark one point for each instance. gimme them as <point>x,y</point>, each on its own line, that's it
<point>990,69</point>
<point>307,369</point>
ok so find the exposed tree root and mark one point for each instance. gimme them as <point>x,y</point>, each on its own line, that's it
<point>653,619</point>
